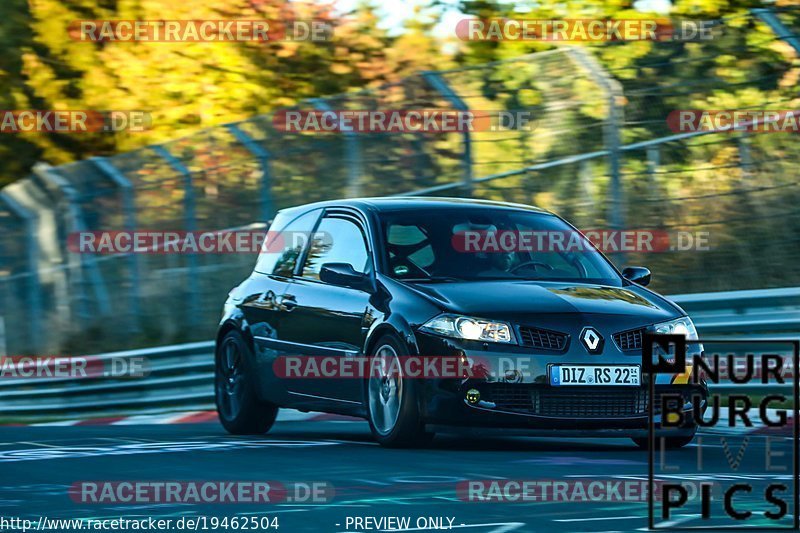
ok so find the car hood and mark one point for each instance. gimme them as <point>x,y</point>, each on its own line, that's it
<point>496,299</point>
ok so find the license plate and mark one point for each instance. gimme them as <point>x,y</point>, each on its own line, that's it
<point>594,375</point>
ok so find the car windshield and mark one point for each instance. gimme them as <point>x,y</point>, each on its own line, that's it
<point>457,244</point>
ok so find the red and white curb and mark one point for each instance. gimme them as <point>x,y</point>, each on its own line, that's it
<point>190,417</point>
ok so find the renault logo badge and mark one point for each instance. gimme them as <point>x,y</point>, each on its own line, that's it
<point>592,340</point>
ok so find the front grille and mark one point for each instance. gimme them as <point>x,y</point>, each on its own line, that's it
<point>542,338</point>
<point>559,402</point>
<point>590,404</point>
<point>629,340</point>
<point>512,398</point>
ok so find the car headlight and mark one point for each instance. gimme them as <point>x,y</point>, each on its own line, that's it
<point>680,326</point>
<point>474,329</point>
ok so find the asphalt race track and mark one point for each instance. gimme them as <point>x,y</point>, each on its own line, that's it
<point>38,465</point>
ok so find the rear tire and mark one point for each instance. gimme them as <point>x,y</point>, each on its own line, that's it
<point>392,401</point>
<point>238,407</point>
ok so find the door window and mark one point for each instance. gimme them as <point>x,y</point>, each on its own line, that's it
<point>283,247</point>
<point>337,240</point>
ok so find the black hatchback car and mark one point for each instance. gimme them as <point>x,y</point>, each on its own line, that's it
<point>545,333</point>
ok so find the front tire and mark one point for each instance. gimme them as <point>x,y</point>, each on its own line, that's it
<point>239,409</point>
<point>392,400</point>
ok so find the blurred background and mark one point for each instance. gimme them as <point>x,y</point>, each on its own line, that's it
<point>601,154</point>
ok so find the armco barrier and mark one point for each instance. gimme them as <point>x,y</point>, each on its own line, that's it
<point>181,376</point>
<point>744,312</point>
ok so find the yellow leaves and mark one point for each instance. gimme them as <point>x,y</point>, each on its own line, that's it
<point>595,106</point>
<point>41,75</point>
<point>187,86</point>
<point>288,49</point>
<point>341,68</point>
<point>783,48</point>
<point>790,78</point>
<point>529,97</point>
<point>709,8</point>
<point>545,200</point>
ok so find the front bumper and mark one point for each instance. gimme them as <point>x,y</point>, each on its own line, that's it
<point>525,402</point>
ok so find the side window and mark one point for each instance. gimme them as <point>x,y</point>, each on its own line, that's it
<point>282,248</point>
<point>337,240</point>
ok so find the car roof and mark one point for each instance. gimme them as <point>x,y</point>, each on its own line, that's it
<point>399,203</point>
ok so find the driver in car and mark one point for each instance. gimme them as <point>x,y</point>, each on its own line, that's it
<point>490,264</point>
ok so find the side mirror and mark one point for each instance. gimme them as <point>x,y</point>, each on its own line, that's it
<point>344,275</point>
<point>640,275</point>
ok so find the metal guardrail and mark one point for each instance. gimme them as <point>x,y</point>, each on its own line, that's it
<point>181,376</point>
<point>177,377</point>
<point>745,312</point>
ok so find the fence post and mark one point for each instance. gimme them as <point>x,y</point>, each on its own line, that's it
<point>129,216</point>
<point>442,87</point>
<point>264,156</point>
<point>76,224</point>
<point>653,162</point>
<point>611,136</point>
<point>353,147</point>
<point>585,180</point>
<point>3,348</point>
<point>781,31</point>
<point>34,288</point>
<point>191,225</point>
<point>745,158</point>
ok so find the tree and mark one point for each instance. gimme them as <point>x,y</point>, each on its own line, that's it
<point>184,86</point>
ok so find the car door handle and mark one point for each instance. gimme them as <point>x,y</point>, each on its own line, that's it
<point>288,303</point>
